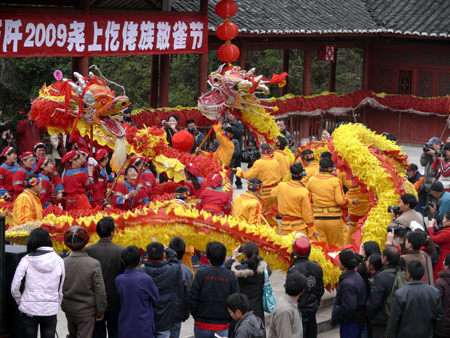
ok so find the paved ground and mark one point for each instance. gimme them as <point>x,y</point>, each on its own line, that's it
<point>277,279</point>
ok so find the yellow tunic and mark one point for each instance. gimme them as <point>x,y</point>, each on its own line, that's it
<point>267,169</point>
<point>283,160</point>
<point>356,211</point>
<point>27,208</point>
<point>328,197</point>
<point>311,170</point>
<point>247,207</point>
<point>294,206</point>
<point>224,152</point>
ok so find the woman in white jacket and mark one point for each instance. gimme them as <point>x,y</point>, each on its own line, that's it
<point>37,286</point>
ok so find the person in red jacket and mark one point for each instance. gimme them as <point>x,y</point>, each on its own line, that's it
<point>214,199</point>
<point>25,169</point>
<point>39,153</point>
<point>101,179</point>
<point>196,184</point>
<point>7,170</point>
<point>128,195</point>
<point>442,238</point>
<point>44,167</point>
<point>147,179</point>
<point>76,182</point>
<point>28,132</point>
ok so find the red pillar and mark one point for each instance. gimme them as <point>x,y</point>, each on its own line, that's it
<point>154,82</point>
<point>307,69</point>
<point>332,75</point>
<point>81,64</point>
<point>366,63</point>
<point>164,81</point>
<point>203,58</point>
<point>284,90</point>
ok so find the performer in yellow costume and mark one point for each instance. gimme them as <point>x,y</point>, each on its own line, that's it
<point>355,211</point>
<point>28,206</point>
<point>310,164</point>
<point>225,151</point>
<point>281,156</point>
<point>294,204</point>
<point>328,198</point>
<point>267,169</point>
<point>247,206</point>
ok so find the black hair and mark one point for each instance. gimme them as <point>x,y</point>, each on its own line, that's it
<point>105,227</point>
<point>447,215</point>
<point>238,301</point>
<point>375,261</point>
<point>296,171</point>
<point>326,154</point>
<point>216,253</point>
<point>447,146</point>
<point>175,117</point>
<point>27,107</point>
<point>193,178</point>
<point>447,260</point>
<point>392,254</point>
<point>281,120</point>
<point>138,163</point>
<point>178,245</point>
<point>155,251</point>
<point>349,259</point>
<point>371,247</point>
<point>409,199</point>
<point>128,169</point>
<point>295,283</point>
<point>430,248</point>
<point>306,152</point>
<point>29,177</point>
<point>40,145</point>
<point>283,142</point>
<point>389,136</point>
<point>181,190</point>
<point>265,146</point>
<point>38,237</point>
<point>131,257</point>
<point>251,250</point>
<point>416,270</point>
<point>190,121</point>
<point>416,239</point>
<point>326,163</point>
<point>254,180</point>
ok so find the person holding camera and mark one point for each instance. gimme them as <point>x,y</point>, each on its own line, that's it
<point>171,127</point>
<point>7,138</point>
<point>416,179</point>
<point>191,127</point>
<point>404,213</point>
<point>442,238</point>
<point>441,164</point>
<point>125,117</point>
<point>237,128</point>
<point>426,160</point>
<point>443,200</point>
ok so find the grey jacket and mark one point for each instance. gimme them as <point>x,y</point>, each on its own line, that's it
<point>249,326</point>
<point>110,257</point>
<point>286,319</point>
<point>84,292</point>
<point>416,311</point>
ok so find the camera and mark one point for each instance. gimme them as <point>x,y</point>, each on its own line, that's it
<point>166,124</point>
<point>9,136</point>
<point>427,209</point>
<point>398,230</point>
<point>240,249</point>
<point>426,148</point>
<point>396,210</point>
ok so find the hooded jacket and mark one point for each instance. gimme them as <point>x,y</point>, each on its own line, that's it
<point>249,326</point>
<point>44,275</point>
<point>443,285</point>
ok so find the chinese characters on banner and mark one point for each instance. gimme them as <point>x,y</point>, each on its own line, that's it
<point>86,35</point>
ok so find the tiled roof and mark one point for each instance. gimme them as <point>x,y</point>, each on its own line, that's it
<point>339,17</point>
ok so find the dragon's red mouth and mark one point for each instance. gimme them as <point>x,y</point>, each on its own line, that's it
<point>213,104</point>
<point>112,126</point>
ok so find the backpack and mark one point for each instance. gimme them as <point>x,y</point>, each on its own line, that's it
<point>400,281</point>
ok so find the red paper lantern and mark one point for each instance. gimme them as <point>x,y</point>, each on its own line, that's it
<point>226,9</point>
<point>227,31</point>
<point>228,53</point>
<point>183,140</point>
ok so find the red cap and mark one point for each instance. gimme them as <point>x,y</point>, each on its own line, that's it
<point>192,168</point>
<point>25,155</point>
<point>6,151</point>
<point>216,180</point>
<point>39,145</point>
<point>84,151</point>
<point>39,164</point>
<point>101,154</point>
<point>301,247</point>
<point>70,155</point>
<point>135,159</point>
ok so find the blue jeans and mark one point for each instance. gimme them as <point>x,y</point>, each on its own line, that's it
<point>350,330</point>
<point>30,325</point>
<point>175,330</point>
<point>199,333</point>
<point>162,334</point>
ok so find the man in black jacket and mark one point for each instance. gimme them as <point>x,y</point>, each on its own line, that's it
<point>309,301</point>
<point>382,287</point>
<point>110,257</point>
<point>237,128</point>
<point>166,273</point>
<point>209,292</point>
<point>417,307</point>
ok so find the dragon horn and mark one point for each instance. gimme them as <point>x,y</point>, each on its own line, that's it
<point>252,71</point>
<point>258,78</point>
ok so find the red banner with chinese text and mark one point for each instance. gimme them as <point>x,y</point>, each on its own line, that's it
<point>86,35</point>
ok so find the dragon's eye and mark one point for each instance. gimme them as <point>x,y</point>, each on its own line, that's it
<point>216,80</point>
<point>103,102</point>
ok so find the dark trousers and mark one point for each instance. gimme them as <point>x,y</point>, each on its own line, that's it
<point>309,326</point>
<point>30,325</point>
<point>350,330</point>
<point>108,323</point>
<point>378,331</point>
